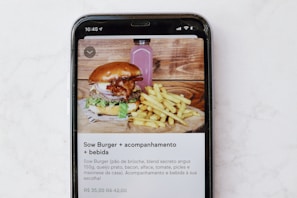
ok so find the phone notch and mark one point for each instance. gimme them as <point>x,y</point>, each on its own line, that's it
<point>140,23</point>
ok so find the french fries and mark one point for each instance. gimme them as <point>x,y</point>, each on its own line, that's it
<point>159,108</point>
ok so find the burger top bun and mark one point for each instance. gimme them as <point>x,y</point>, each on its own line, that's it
<point>113,70</point>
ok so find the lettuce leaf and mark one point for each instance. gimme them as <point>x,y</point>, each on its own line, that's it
<point>95,102</point>
<point>123,110</point>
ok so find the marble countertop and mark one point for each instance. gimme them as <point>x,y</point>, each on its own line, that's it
<point>254,79</point>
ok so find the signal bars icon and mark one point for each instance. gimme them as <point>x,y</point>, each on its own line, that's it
<point>186,27</point>
<point>178,28</point>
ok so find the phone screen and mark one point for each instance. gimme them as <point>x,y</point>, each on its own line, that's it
<point>141,107</point>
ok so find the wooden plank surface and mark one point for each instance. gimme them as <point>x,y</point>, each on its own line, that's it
<point>182,59</point>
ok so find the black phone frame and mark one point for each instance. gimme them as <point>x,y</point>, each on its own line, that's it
<point>143,24</point>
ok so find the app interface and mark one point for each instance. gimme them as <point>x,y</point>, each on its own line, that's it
<point>141,116</point>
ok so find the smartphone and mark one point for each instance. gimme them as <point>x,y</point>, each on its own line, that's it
<point>141,106</point>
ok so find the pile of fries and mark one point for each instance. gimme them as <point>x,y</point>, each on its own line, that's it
<point>158,108</point>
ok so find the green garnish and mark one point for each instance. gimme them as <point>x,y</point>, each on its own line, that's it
<point>123,110</point>
<point>95,102</point>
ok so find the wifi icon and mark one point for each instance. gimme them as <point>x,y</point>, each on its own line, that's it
<point>186,27</point>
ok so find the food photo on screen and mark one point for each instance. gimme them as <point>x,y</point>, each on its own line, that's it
<point>158,92</point>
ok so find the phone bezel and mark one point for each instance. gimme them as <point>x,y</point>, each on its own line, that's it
<point>203,31</point>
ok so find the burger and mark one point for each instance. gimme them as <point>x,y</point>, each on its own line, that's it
<point>113,90</point>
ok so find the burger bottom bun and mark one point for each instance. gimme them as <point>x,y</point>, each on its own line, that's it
<point>112,110</point>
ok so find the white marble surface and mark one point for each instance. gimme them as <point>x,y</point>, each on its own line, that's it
<point>255,95</point>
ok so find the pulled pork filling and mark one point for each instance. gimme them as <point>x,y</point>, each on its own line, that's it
<point>123,86</point>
